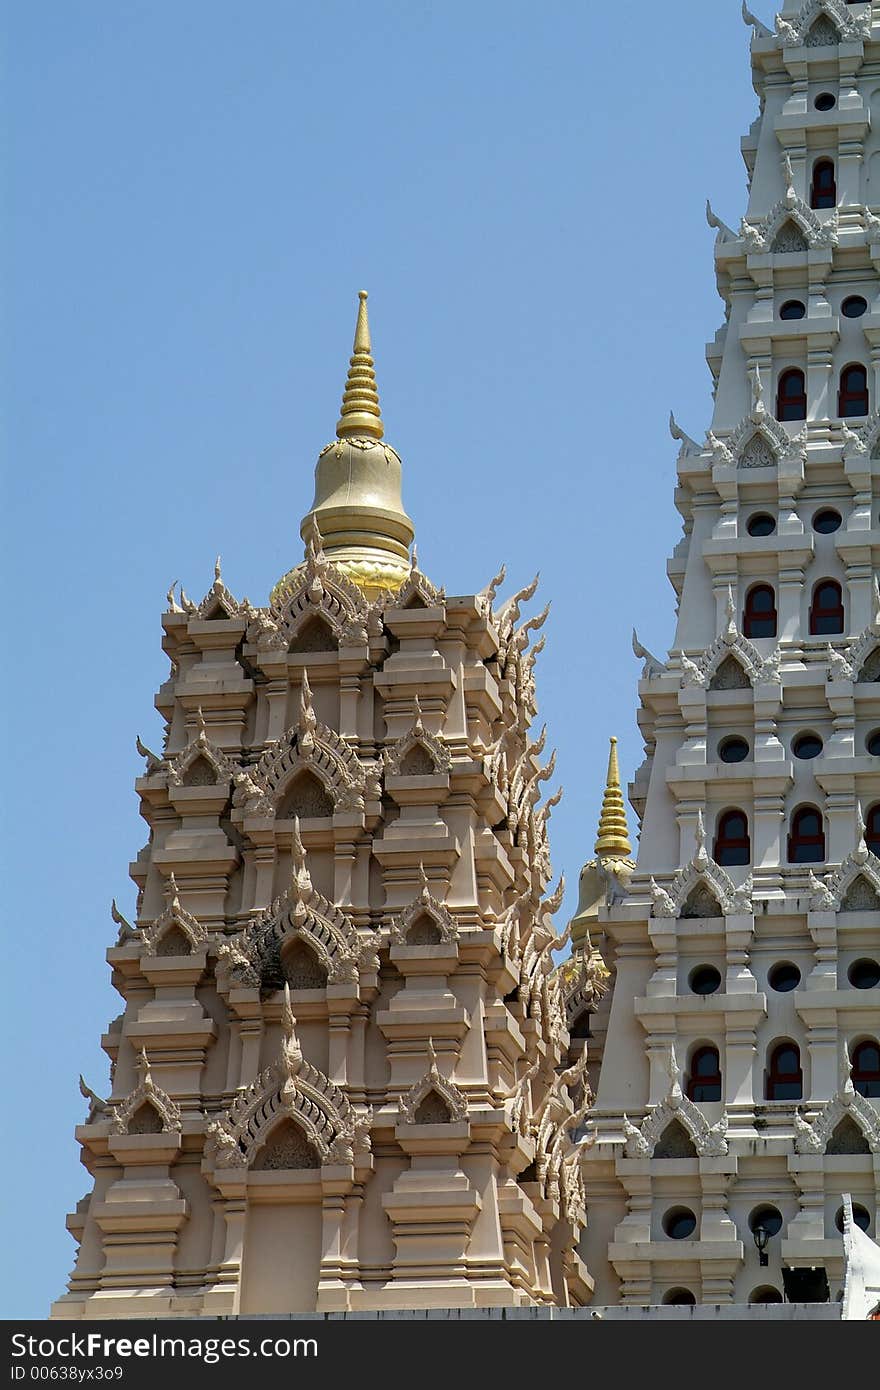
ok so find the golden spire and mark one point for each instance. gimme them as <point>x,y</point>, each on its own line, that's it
<point>613,841</point>
<point>360,400</point>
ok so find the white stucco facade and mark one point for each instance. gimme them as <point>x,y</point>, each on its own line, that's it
<point>795,901</point>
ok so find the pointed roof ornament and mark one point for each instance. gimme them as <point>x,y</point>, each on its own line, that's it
<point>730,610</point>
<point>876,601</point>
<point>360,402</point>
<point>674,1074</point>
<point>145,1077</point>
<point>613,838</point>
<point>845,1080</point>
<point>291,1052</point>
<point>861,853</point>
<point>701,857</point>
<point>424,884</point>
<point>172,891</point>
<point>758,407</point>
<point>218,577</point>
<point>300,878</point>
<point>307,722</point>
<point>201,730</point>
<point>788,176</point>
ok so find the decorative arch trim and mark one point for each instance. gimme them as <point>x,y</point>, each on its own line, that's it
<point>145,1093</point>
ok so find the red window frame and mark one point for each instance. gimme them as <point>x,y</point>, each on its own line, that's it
<point>853,399</point>
<point>791,403</point>
<point>777,1079</point>
<point>709,1079</point>
<point>732,849</point>
<point>823,189</point>
<point>826,617</point>
<point>753,619</point>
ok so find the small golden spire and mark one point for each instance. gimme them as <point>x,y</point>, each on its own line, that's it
<point>613,841</point>
<point>360,401</point>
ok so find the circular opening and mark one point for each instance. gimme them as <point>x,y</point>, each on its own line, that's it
<point>766,1294</point>
<point>826,521</point>
<point>768,1217</point>
<point>854,307</point>
<point>680,1296</point>
<point>793,309</point>
<point>679,1223</point>
<point>761,524</point>
<point>705,979</point>
<point>784,977</point>
<point>733,750</point>
<point>807,746</point>
<point>825,101</point>
<point>860,1216</point>
<point>864,974</point>
<point>872,743</point>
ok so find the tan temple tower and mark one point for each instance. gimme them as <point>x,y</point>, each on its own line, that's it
<point>340,1077</point>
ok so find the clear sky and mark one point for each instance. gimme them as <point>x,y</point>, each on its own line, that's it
<point>198,190</point>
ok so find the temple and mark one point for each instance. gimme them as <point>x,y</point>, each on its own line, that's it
<point>340,1079</point>
<point>735,1051</point>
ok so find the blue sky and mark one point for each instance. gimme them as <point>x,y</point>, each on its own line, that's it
<point>198,190</point>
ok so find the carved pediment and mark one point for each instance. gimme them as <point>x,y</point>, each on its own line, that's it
<point>416,591</point>
<point>316,591</point>
<point>417,752</point>
<point>846,1108</point>
<point>218,601</point>
<point>147,1109</point>
<point>790,227</point>
<point>426,922</point>
<point>713,669</point>
<point>759,440</point>
<point>289,1090</point>
<point>308,747</point>
<point>175,932</point>
<point>854,887</point>
<point>702,874</point>
<point>823,23</point>
<point>201,763</point>
<point>641,1140</point>
<point>865,442</point>
<point>433,1099</point>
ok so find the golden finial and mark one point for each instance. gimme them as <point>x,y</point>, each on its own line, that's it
<point>360,400</point>
<point>613,841</point>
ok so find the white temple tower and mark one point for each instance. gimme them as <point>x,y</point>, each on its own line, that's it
<point>740,1072</point>
<point>339,1079</point>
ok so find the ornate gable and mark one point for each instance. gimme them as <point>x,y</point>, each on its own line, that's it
<point>290,1088</point>
<point>146,1093</point>
<point>312,747</point>
<point>416,591</point>
<point>823,22</point>
<point>416,1105</point>
<point>864,442</point>
<point>731,645</point>
<point>175,932</point>
<point>846,1105</point>
<point>402,757</point>
<point>708,1141</point>
<point>218,601</point>
<point>304,915</point>
<point>201,748</point>
<point>759,440</point>
<point>317,589</point>
<point>790,225</point>
<point>839,892</point>
<point>407,925</point>
<point>701,871</point>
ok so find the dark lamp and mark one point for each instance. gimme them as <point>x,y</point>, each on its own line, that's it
<point>761,1236</point>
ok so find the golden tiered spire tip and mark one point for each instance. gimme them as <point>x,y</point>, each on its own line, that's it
<point>613,839</point>
<point>360,401</point>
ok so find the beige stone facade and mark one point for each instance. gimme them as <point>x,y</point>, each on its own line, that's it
<point>340,1077</point>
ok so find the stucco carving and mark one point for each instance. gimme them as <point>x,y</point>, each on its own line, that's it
<point>424,905</point>
<point>202,748</point>
<point>790,226</point>
<point>822,22</point>
<point>417,589</point>
<point>731,644</point>
<point>145,1093</point>
<point>834,895</point>
<point>848,1103</point>
<point>453,1103</point>
<point>175,923</point>
<point>316,589</point>
<point>709,1141</point>
<point>218,601</point>
<point>702,869</point>
<point>416,738</point>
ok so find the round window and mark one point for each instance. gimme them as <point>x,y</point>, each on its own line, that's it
<point>826,521</point>
<point>825,101</point>
<point>864,974</point>
<point>679,1223</point>
<point>733,750</point>
<point>807,746</point>
<point>761,524</point>
<point>766,1294</point>
<point>860,1216</point>
<point>784,977</point>
<point>682,1297</point>
<point>872,743</point>
<point>768,1217</point>
<point>793,309</point>
<point>705,979</point>
<point>854,307</point>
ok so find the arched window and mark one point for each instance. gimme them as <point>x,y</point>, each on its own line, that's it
<point>823,190</point>
<point>806,843</point>
<point>852,399</point>
<point>872,830</point>
<point>866,1069</point>
<point>704,1081</point>
<point>759,614</point>
<point>732,843</point>
<point>791,395</point>
<point>785,1080</point>
<point>826,610</point>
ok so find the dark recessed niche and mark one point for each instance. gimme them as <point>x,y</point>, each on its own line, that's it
<point>793,309</point>
<point>825,101</point>
<point>679,1223</point>
<point>807,746</point>
<point>761,524</point>
<point>860,1216</point>
<point>768,1217</point>
<point>733,750</point>
<point>872,743</point>
<point>854,307</point>
<point>864,974</point>
<point>705,979</point>
<point>827,521</point>
<point>784,977</point>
